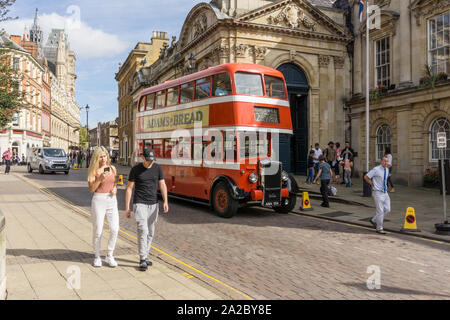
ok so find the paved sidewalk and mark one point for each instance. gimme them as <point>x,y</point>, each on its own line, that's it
<point>47,243</point>
<point>427,203</point>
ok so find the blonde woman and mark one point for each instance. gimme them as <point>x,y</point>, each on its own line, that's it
<point>102,182</point>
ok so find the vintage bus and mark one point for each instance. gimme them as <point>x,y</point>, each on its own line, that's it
<point>214,132</point>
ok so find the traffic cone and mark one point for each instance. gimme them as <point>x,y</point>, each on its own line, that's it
<point>306,204</point>
<point>120,182</point>
<point>410,224</point>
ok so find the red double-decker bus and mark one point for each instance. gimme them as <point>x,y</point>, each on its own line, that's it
<point>215,134</point>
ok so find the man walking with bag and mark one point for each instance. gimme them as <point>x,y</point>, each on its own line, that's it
<point>145,178</point>
<point>377,178</point>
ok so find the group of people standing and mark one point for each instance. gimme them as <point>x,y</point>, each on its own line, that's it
<point>325,165</point>
<point>78,157</point>
<point>144,178</point>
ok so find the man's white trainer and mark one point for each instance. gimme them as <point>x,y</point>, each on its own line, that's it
<point>97,262</point>
<point>111,261</point>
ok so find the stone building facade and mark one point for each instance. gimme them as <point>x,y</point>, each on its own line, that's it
<point>65,116</point>
<point>306,40</point>
<point>405,116</point>
<point>143,55</point>
<point>25,131</point>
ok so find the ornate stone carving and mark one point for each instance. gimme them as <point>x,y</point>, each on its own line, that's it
<point>324,61</point>
<point>199,26</point>
<point>259,52</point>
<point>292,54</point>
<point>241,50</point>
<point>292,17</point>
<point>223,50</point>
<point>421,11</point>
<point>339,62</point>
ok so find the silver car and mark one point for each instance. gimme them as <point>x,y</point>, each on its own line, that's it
<point>49,160</point>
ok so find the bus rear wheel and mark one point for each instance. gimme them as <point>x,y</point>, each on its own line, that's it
<point>223,202</point>
<point>287,204</point>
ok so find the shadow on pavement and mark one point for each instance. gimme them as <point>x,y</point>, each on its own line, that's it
<point>395,290</point>
<point>52,254</point>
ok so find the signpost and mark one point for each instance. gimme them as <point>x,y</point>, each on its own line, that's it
<point>443,228</point>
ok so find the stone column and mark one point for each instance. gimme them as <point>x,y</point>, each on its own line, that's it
<point>358,53</point>
<point>339,132</point>
<point>356,141</point>
<point>314,116</point>
<point>324,62</point>
<point>402,163</point>
<point>2,257</point>
<point>405,47</point>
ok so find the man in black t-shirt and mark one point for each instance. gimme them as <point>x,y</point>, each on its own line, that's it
<point>145,178</point>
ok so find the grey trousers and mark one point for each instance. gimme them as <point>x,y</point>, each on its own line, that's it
<point>383,207</point>
<point>146,217</point>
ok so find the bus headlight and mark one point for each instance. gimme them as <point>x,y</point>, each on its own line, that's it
<point>284,176</point>
<point>253,177</point>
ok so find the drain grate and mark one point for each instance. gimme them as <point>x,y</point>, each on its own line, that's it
<point>335,214</point>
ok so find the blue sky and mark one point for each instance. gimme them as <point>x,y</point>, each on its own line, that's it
<point>104,34</point>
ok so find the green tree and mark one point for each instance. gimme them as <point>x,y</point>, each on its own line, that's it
<point>11,98</point>
<point>84,139</point>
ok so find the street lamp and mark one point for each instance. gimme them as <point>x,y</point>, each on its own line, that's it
<point>88,160</point>
<point>192,62</point>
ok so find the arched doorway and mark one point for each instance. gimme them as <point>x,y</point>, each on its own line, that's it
<point>294,149</point>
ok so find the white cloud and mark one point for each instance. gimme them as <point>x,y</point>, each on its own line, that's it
<point>86,41</point>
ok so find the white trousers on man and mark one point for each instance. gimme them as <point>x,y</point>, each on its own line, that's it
<point>104,205</point>
<point>146,217</point>
<point>383,207</point>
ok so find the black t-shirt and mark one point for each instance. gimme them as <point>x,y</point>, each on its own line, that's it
<point>146,183</point>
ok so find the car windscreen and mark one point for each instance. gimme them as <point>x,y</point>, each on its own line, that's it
<point>54,153</point>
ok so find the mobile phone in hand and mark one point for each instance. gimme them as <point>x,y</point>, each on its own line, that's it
<point>106,169</point>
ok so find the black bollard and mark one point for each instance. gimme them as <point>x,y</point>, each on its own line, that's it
<point>367,188</point>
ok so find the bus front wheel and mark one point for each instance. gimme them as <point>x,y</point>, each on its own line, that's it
<point>287,204</point>
<point>223,202</point>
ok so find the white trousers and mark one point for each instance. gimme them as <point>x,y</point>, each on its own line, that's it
<point>383,207</point>
<point>103,205</point>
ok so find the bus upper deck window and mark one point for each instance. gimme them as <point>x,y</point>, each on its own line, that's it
<point>202,88</point>
<point>142,104</point>
<point>172,96</point>
<point>248,83</point>
<point>160,100</point>
<point>221,84</point>
<point>150,99</point>
<point>274,87</point>
<point>187,92</point>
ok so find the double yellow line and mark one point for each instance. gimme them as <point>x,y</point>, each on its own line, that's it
<point>81,210</point>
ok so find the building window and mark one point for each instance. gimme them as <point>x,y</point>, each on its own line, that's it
<point>439,43</point>
<point>439,125</point>
<point>383,62</point>
<point>383,140</point>
<point>16,63</point>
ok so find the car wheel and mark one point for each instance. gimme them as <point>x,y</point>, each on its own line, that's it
<point>223,203</point>
<point>66,172</point>
<point>41,170</point>
<point>29,169</point>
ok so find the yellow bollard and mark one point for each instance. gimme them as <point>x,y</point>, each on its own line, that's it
<point>120,182</point>
<point>410,224</point>
<point>306,203</point>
